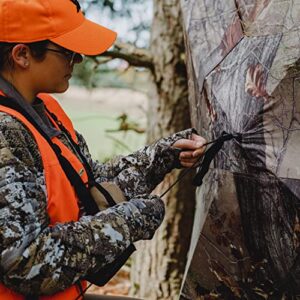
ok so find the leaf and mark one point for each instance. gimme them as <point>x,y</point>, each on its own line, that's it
<point>256,81</point>
<point>232,36</point>
<point>258,8</point>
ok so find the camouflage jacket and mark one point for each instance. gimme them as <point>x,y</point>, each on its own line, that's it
<point>43,259</point>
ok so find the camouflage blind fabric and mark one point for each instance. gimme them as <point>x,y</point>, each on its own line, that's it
<point>243,60</point>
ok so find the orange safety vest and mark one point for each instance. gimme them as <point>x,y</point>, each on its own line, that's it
<point>57,184</point>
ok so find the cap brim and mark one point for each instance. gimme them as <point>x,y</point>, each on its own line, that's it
<point>88,39</point>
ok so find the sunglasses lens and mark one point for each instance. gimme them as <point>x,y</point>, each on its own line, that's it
<point>72,57</point>
<point>76,58</point>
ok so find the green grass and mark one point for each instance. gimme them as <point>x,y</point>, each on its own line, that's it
<point>104,145</point>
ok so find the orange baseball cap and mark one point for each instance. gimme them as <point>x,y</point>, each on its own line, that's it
<point>60,21</point>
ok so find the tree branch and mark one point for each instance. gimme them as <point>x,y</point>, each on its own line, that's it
<point>137,57</point>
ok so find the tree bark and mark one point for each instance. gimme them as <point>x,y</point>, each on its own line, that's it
<point>137,57</point>
<point>158,265</point>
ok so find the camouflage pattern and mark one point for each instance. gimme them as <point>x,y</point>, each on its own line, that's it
<point>39,259</point>
<point>244,78</point>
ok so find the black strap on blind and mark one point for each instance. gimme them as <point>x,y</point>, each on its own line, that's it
<point>205,161</point>
<point>211,153</point>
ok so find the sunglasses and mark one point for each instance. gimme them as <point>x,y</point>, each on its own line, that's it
<point>69,55</point>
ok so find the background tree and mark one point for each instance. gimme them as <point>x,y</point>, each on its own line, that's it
<point>159,265</point>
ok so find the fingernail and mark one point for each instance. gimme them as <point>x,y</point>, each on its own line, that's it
<point>199,145</point>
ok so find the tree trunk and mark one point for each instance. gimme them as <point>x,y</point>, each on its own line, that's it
<point>158,266</point>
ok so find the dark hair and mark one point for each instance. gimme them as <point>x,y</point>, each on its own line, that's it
<point>38,50</point>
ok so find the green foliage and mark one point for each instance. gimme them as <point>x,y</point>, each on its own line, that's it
<point>85,74</point>
<point>91,75</point>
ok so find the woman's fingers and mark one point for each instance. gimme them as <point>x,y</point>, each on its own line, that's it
<point>192,150</point>
<point>199,152</point>
<point>190,162</point>
<point>187,164</point>
<point>194,143</point>
<point>186,154</point>
<point>199,139</point>
<point>187,144</point>
<point>194,159</point>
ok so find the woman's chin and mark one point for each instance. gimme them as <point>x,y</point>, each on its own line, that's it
<point>62,88</point>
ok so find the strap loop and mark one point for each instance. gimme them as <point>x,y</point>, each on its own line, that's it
<point>211,153</point>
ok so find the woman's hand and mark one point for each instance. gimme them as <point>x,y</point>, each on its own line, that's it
<point>192,149</point>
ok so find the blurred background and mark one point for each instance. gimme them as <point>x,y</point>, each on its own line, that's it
<point>107,98</point>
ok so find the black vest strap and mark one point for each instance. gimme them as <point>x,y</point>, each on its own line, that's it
<point>107,272</point>
<point>92,182</point>
<point>31,297</point>
<point>73,177</point>
<point>82,192</point>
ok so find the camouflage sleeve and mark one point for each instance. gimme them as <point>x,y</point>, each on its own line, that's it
<point>142,171</point>
<point>43,259</point>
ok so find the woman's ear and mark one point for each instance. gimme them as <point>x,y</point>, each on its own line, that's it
<point>20,56</point>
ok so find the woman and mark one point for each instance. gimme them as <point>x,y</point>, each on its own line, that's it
<point>59,219</point>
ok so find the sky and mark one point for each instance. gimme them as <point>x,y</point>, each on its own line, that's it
<point>141,12</point>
